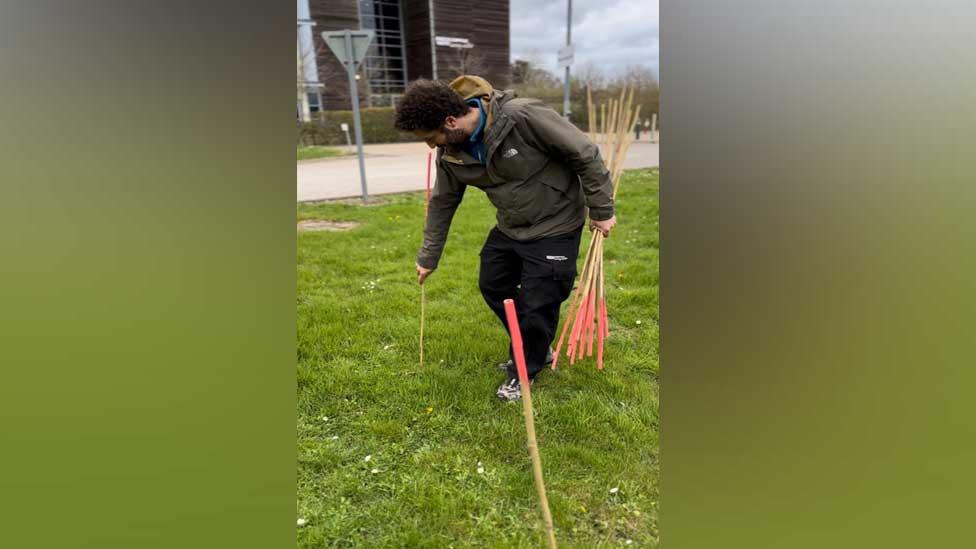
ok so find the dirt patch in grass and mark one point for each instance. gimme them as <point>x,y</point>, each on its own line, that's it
<point>326,225</point>
<point>372,201</point>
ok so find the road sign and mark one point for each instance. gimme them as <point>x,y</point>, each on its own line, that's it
<point>566,56</point>
<point>336,41</point>
<point>350,47</point>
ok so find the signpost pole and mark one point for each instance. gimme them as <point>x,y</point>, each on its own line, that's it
<point>306,113</point>
<point>569,28</point>
<point>354,94</point>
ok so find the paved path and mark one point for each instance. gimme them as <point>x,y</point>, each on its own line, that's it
<point>399,167</point>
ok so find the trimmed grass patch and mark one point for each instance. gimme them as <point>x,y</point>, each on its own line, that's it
<point>427,431</point>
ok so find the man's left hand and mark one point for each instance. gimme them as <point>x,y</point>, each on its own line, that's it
<point>603,226</point>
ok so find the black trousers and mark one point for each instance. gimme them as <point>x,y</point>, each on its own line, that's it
<point>539,276</point>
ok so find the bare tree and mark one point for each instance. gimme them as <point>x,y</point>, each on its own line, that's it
<point>466,61</point>
<point>536,76</point>
<point>646,90</point>
<point>639,76</point>
<point>591,75</point>
<point>530,79</point>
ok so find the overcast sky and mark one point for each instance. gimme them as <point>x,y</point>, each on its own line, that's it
<point>611,33</point>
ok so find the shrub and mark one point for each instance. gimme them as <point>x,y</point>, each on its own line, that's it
<point>378,127</point>
<point>377,124</point>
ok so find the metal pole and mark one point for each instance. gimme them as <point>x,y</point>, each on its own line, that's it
<point>569,28</point>
<point>303,108</point>
<point>355,112</point>
<point>433,40</point>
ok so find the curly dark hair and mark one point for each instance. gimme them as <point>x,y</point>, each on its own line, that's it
<point>426,104</point>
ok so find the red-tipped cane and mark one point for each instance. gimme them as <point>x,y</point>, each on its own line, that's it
<point>574,332</point>
<point>589,325</point>
<point>576,296</point>
<point>513,328</point>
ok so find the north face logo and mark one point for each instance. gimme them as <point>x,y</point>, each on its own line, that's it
<point>509,153</point>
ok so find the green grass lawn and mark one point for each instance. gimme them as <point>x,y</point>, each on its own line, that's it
<point>361,392</point>
<point>309,153</point>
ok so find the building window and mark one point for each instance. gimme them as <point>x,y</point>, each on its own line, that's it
<point>386,68</point>
<point>314,102</point>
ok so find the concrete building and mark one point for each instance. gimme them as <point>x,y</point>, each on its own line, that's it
<point>414,39</point>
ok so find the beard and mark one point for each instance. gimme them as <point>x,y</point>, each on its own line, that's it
<point>455,138</point>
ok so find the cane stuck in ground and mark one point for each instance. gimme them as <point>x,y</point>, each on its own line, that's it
<point>519,358</point>
<point>423,294</point>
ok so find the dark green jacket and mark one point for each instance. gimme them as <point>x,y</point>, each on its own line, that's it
<point>540,172</point>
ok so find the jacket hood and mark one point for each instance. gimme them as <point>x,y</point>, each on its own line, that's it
<point>470,86</point>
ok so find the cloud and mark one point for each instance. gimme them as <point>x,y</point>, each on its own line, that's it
<point>612,34</point>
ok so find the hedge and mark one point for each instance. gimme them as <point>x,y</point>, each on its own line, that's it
<point>377,128</point>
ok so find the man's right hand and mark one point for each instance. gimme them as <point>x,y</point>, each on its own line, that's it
<point>422,273</point>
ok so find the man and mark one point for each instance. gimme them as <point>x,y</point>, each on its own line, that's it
<point>539,171</point>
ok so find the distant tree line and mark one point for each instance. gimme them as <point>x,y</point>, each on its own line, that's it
<point>529,79</point>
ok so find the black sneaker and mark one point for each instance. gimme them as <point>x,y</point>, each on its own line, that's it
<point>511,390</point>
<point>505,365</point>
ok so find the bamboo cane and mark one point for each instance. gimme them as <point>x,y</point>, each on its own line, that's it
<point>625,112</point>
<point>423,292</point>
<point>423,299</point>
<point>617,106</point>
<point>625,148</point>
<point>603,305</point>
<point>600,319</point>
<point>619,156</point>
<point>611,133</point>
<point>620,139</point>
<point>598,289</point>
<point>519,356</point>
<point>620,110</point>
<point>584,348</point>
<point>603,129</point>
<point>591,304</point>
<point>623,109</point>
<point>623,93</point>
<point>576,295</point>
<point>589,113</point>
<point>623,116</point>
<point>618,160</point>
<point>580,342</point>
<point>587,319</point>
<point>574,331</point>
<point>577,326</point>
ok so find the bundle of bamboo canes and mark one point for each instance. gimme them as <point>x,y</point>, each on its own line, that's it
<point>587,313</point>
